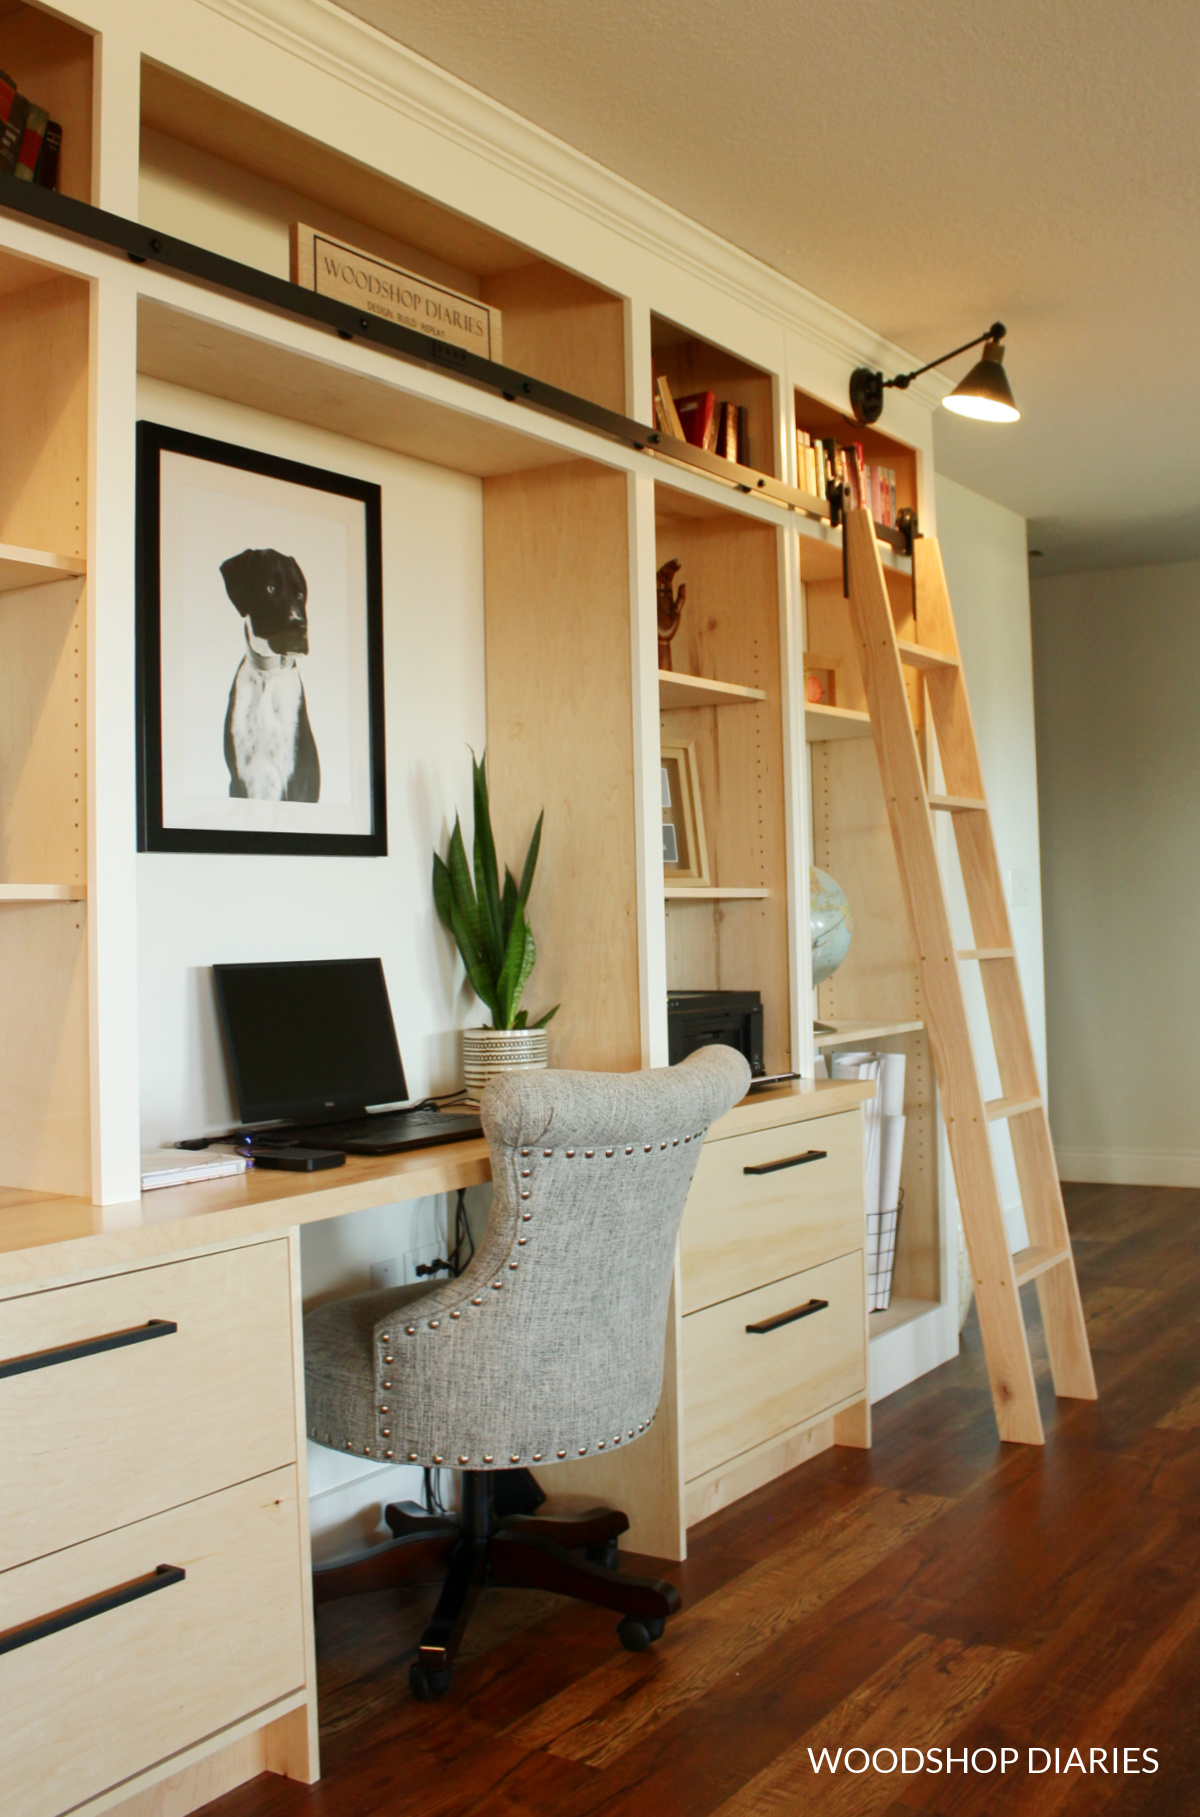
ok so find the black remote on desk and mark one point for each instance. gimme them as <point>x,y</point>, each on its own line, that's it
<point>298,1160</point>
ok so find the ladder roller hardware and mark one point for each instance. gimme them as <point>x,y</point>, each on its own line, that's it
<point>998,1274</point>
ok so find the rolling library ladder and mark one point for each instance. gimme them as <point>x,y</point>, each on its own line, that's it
<point>998,1274</point>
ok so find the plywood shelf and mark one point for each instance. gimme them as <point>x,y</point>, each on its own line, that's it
<point>43,892</point>
<point>683,894</point>
<point>846,1034</point>
<point>823,723</point>
<point>901,1312</point>
<point>678,691</point>
<point>35,567</point>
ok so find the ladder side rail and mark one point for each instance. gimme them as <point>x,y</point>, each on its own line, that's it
<point>1010,1370</point>
<point>1033,1148</point>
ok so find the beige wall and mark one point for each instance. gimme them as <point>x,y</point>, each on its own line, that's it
<point>987,571</point>
<point>1117,664</point>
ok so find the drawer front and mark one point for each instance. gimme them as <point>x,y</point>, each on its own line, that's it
<point>741,1388</point>
<point>742,1229</point>
<point>96,1438</point>
<point>85,1707</point>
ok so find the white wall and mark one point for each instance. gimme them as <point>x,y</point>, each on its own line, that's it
<point>194,910</point>
<point>1118,690</point>
<point>984,551</point>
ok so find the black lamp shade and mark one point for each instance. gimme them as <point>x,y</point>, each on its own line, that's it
<point>985,392</point>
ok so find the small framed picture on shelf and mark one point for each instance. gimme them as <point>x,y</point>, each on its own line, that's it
<point>260,653</point>
<point>685,854</point>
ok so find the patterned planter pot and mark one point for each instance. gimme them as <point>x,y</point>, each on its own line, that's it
<point>487,1051</point>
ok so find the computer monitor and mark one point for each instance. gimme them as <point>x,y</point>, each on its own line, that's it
<point>309,1040</point>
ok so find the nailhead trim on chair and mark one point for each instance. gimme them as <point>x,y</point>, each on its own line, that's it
<point>477,1300</point>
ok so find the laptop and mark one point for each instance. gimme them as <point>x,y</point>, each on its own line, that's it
<point>311,1045</point>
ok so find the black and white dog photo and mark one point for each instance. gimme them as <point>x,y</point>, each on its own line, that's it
<point>269,744</point>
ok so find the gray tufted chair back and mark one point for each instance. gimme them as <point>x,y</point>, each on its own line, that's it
<point>550,1345</point>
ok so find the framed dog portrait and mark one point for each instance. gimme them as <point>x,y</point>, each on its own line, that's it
<point>260,653</point>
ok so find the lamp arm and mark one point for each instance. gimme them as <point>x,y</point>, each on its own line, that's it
<point>904,379</point>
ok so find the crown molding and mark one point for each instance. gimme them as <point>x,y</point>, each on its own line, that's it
<point>357,54</point>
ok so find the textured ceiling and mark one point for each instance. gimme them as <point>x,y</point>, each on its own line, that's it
<point>927,169</point>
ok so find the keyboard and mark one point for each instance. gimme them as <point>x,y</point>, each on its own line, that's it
<point>390,1132</point>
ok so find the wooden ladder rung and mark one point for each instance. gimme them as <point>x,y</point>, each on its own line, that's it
<point>986,952</point>
<point>1000,1108</point>
<point>957,804</point>
<point>918,656</point>
<point>1029,1263</point>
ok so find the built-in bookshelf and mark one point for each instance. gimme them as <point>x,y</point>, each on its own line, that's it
<point>694,366</point>
<point>51,61</point>
<point>727,701</point>
<point>833,436</point>
<point>233,180</point>
<point>44,1053</point>
<point>574,527</point>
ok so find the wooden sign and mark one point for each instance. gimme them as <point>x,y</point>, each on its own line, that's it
<point>333,269</point>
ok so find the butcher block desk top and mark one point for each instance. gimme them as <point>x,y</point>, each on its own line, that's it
<point>44,1238</point>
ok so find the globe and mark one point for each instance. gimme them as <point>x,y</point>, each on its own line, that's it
<point>831,925</point>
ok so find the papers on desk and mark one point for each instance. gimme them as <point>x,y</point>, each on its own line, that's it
<point>180,1166</point>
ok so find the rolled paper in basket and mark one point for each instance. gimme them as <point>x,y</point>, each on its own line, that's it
<point>891,1155</point>
<point>865,1066</point>
<point>891,1086</point>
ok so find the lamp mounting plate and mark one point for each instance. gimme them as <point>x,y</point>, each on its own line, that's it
<point>866,394</point>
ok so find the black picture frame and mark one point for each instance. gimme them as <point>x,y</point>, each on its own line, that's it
<point>158,834</point>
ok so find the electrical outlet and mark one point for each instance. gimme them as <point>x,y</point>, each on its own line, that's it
<point>1020,890</point>
<point>386,1274</point>
<point>428,1252</point>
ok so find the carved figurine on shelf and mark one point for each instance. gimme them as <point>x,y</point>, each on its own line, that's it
<point>670,610</point>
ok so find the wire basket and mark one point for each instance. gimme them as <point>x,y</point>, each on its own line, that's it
<point>882,1229</point>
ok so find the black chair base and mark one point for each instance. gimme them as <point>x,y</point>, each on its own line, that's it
<point>571,1554</point>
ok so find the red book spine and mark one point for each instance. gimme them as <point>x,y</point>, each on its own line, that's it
<point>31,143</point>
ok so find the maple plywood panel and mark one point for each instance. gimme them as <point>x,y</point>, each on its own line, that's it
<point>730,632</point>
<point>207,357</point>
<point>199,116</point>
<point>51,62</point>
<point>45,1139</point>
<point>44,359</point>
<point>560,736</point>
<point>43,735</point>
<point>563,330</point>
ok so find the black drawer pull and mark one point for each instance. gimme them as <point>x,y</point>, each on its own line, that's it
<point>787,1318</point>
<point>70,1353</point>
<point>811,1154</point>
<point>133,1591</point>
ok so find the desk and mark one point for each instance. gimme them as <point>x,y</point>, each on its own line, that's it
<point>191,1451</point>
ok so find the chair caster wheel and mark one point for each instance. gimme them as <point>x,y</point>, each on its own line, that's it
<point>637,1632</point>
<point>427,1686</point>
<point>608,1556</point>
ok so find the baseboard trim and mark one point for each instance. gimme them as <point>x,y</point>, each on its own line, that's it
<point>1127,1167</point>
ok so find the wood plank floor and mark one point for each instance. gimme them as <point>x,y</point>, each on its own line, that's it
<point>941,1591</point>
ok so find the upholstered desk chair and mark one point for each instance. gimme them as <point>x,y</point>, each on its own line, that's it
<point>548,1347</point>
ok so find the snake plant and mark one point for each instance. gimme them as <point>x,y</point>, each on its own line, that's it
<point>488,922</point>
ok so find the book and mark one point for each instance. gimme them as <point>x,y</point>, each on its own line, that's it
<point>334,269</point>
<point>181,1167</point>
<point>10,134</point>
<point>47,165</point>
<point>696,412</point>
<point>743,435</point>
<point>664,405</point>
<point>8,94</point>
<point>729,432</point>
<point>36,122</point>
